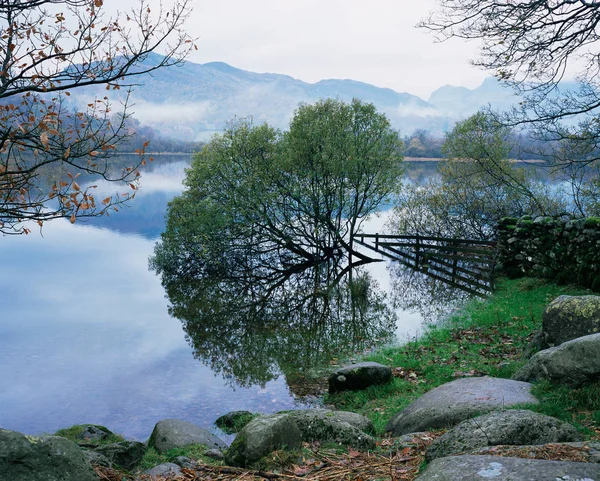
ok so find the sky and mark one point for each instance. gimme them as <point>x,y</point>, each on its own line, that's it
<point>371,41</point>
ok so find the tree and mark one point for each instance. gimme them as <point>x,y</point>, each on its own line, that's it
<point>532,46</point>
<point>47,49</point>
<point>478,185</point>
<point>263,207</point>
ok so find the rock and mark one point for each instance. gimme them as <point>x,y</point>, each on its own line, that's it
<point>474,468</point>
<point>574,363</point>
<point>458,400</point>
<point>359,376</point>
<point>94,432</point>
<point>46,458</point>
<point>261,436</point>
<point>97,458</point>
<point>342,427</point>
<point>126,453</point>
<point>175,433</point>
<point>185,462</point>
<point>214,454</point>
<point>518,427</point>
<point>166,469</point>
<point>234,421</point>
<point>570,317</point>
<point>536,344</point>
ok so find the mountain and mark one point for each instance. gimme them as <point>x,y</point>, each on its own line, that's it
<point>460,102</point>
<point>193,101</point>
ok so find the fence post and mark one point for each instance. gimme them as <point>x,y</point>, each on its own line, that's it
<point>417,244</point>
<point>454,243</point>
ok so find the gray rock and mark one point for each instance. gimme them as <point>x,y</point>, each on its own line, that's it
<point>574,363</point>
<point>518,427</point>
<point>94,432</point>
<point>474,468</point>
<point>97,458</point>
<point>357,420</point>
<point>261,436</point>
<point>215,454</point>
<point>126,453</point>
<point>175,433</point>
<point>166,469</point>
<point>185,462</point>
<point>342,427</point>
<point>570,317</point>
<point>47,458</point>
<point>458,400</point>
<point>359,376</point>
<point>234,421</point>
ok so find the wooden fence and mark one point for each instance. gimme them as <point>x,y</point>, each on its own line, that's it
<point>465,263</point>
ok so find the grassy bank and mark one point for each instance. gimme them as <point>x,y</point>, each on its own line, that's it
<point>488,337</point>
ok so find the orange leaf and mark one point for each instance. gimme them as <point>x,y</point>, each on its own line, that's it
<point>72,219</point>
<point>98,3</point>
<point>106,201</point>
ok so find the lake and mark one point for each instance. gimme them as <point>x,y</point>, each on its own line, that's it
<point>86,336</point>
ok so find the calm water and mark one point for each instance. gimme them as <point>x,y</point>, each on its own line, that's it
<point>85,335</point>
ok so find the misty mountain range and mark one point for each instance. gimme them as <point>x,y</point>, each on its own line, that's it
<point>193,101</point>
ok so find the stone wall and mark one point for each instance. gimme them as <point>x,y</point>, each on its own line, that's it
<point>558,248</point>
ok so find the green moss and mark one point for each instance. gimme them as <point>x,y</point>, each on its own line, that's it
<point>194,451</point>
<point>592,223</point>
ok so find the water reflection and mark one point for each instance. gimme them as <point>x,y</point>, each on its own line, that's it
<point>251,336</point>
<point>86,335</point>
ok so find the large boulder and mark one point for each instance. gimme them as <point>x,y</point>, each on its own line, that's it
<point>484,468</point>
<point>47,458</point>
<point>570,317</point>
<point>175,433</point>
<point>359,376</point>
<point>573,363</point>
<point>126,453</point>
<point>518,427</point>
<point>458,400</point>
<point>342,427</point>
<point>261,436</point>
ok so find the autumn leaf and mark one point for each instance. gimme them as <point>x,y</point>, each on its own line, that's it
<point>44,138</point>
<point>106,201</point>
<point>72,219</point>
<point>98,3</point>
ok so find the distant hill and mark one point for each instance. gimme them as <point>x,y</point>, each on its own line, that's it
<point>192,101</point>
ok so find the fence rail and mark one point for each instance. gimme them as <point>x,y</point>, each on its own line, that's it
<point>467,264</point>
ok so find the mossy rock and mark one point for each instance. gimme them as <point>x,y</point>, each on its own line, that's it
<point>592,223</point>
<point>235,421</point>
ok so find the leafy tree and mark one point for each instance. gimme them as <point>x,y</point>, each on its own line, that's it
<point>257,255</point>
<point>477,186</point>
<point>47,49</point>
<point>532,46</point>
<point>262,206</point>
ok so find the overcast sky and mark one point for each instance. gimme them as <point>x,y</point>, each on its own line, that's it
<point>372,41</point>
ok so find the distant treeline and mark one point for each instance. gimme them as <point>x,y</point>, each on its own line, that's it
<point>424,144</point>
<point>140,134</point>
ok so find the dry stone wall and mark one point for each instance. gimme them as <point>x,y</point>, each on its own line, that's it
<point>559,248</point>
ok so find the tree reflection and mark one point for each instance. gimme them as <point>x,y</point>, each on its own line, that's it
<point>416,291</point>
<point>251,334</point>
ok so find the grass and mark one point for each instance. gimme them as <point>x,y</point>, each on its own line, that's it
<point>486,338</point>
<point>194,451</point>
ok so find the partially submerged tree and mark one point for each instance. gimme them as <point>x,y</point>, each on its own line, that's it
<point>263,207</point>
<point>47,49</point>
